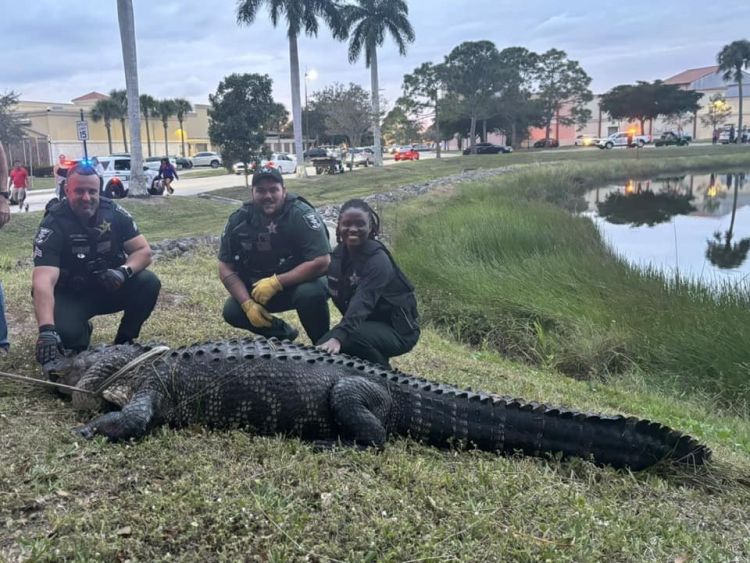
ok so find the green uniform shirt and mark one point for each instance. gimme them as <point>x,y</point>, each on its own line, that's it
<point>259,246</point>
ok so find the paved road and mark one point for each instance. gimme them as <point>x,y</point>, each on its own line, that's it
<point>186,186</point>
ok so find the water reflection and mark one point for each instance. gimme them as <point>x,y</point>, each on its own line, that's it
<point>722,253</point>
<point>696,226</point>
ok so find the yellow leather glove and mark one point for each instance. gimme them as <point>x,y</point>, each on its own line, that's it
<point>265,289</point>
<point>256,314</point>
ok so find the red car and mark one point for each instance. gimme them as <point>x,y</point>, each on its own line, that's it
<point>406,153</point>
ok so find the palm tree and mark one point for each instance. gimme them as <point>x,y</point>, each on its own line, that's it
<point>181,107</point>
<point>732,59</point>
<point>148,106</point>
<point>104,110</point>
<point>301,15</point>
<point>119,100</point>
<point>126,21</point>
<point>368,21</point>
<point>164,110</point>
<point>724,254</point>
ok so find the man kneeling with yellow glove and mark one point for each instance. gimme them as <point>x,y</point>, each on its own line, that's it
<point>273,254</point>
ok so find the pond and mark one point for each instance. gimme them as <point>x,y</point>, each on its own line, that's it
<point>696,226</point>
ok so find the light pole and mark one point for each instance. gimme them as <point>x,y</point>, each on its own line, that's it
<point>311,74</point>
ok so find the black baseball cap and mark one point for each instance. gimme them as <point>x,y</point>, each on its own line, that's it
<point>267,172</point>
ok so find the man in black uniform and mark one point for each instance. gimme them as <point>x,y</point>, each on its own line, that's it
<point>273,254</point>
<point>89,259</point>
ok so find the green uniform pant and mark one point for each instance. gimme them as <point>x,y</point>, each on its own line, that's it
<point>375,341</point>
<point>309,299</point>
<point>136,298</point>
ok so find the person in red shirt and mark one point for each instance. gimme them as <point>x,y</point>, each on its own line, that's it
<point>19,182</point>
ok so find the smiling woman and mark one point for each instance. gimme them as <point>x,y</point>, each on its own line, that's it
<point>374,296</point>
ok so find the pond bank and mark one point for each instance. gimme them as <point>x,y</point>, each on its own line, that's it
<point>501,266</point>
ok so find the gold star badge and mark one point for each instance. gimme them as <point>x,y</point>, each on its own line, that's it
<point>105,227</point>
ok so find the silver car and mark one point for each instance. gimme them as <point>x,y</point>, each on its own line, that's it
<point>206,158</point>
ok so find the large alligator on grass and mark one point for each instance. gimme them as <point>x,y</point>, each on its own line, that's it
<point>271,387</point>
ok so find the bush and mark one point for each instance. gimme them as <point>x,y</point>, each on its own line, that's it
<point>43,172</point>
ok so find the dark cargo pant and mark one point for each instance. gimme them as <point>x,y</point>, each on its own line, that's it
<point>136,298</point>
<point>377,342</point>
<point>309,299</point>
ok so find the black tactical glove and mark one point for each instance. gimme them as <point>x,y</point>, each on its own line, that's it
<point>112,279</point>
<point>48,344</point>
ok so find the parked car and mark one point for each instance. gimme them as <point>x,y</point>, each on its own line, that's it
<point>315,152</point>
<point>154,162</point>
<point>624,139</point>
<point>489,148</point>
<point>360,156</point>
<point>406,153</point>
<point>546,144</point>
<point>586,141</point>
<point>116,176</point>
<point>206,158</point>
<point>672,138</point>
<point>283,162</point>
<point>421,147</point>
<point>183,162</point>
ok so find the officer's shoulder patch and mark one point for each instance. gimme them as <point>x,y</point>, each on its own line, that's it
<point>312,220</point>
<point>42,235</point>
<point>122,210</point>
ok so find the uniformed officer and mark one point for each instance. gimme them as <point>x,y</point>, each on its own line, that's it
<point>374,296</point>
<point>273,254</point>
<point>89,259</point>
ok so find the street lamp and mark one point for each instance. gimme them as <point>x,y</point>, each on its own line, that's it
<point>311,74</point>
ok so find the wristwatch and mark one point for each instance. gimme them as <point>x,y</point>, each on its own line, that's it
<point>128,271</point>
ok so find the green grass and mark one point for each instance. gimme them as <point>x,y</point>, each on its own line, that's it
<point>505,265</point>
<point>192,494</point>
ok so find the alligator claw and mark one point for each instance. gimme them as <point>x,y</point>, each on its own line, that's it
<point>84,432</point>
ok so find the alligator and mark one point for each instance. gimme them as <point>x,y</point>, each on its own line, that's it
<point>271,387</point>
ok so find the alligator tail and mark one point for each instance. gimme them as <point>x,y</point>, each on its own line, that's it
<point>445,416</point>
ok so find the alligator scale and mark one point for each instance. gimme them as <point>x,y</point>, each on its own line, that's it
<point>271,387</point>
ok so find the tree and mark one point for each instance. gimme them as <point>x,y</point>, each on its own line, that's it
<point>11,130</point>
<point>120,108</point>
<point>560,81</point>
<point>301,15</point>
<point>471,74</point>
<point>148,107</point>
<point>239,113</point>
<point>346,110</point>
<point>517,110</point>
<point>105,110</point>
<point>368,22</point>
<point>648,100</point>
<point>718,111</point>
<point>399,128</point>
<point>181,108</point>
<point>732,59</point>
<point>422,92</point>
<point>164,110</point>
<point>137,184</point>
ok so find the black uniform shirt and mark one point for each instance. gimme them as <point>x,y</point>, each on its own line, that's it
<point>52,245</point>
<point>260,246</point>
<point>367,287</point>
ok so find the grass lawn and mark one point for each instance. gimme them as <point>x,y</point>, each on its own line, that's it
<point>226,496</point>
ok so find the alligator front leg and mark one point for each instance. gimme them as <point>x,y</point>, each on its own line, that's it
<point>133,421</point>
<point>360,408</point>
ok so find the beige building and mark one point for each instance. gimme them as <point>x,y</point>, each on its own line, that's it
<point>705,80</point>
<point>51,131</point>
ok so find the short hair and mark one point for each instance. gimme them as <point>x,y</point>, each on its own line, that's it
<point>362,205</point>
<point>83,168</point>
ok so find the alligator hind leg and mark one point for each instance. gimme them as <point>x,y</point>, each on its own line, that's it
<point>360,408</point>
<point>133,421</point>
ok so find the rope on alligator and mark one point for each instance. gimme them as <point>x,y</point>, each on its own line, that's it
<point>155,351</point>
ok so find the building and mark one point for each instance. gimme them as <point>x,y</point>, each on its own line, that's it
<point>706,80</point>
<point>51,131</point>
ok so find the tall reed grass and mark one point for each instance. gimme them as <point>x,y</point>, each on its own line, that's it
<point>505,264</point>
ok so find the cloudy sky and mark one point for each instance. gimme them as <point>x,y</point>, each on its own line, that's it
<point>54,51</point>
